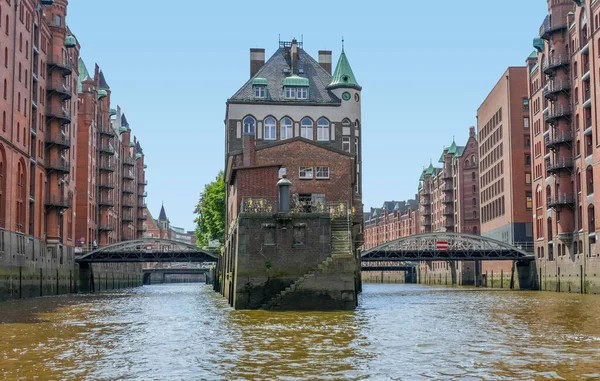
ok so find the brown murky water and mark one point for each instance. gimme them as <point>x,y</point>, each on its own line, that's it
<point>400,332</point>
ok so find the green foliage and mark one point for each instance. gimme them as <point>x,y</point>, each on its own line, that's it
<point>210,223</point>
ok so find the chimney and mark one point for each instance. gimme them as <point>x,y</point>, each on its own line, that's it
<point>249,148</point>
<point>284,194</point>
<point>257,60</point>
<point>294,55</point>
<point>325,60</point>
<point>472,131</point>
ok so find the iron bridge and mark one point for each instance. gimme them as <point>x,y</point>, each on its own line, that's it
<point>148,250</point>
<point>169,271</point>
<point>446,247</point>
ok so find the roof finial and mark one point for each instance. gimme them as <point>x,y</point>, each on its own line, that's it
<point>342,44</point>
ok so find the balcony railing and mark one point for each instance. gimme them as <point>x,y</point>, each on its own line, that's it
<point>107,166</point>
<point>553,113</point>
<point>58,112</point>
<point>448,212</point>
<point>128,204</point>
<point>144,183</point>
<point>129,161</point>
<point>564,199</point>
<point>107,130</point>
<point>61,89</point>
<point>58,165</point>
<point>558,138</point>
<point>143,217</point>
<point>554,86</point>
<point>106,149</point>
<point>106,183</point>
<point>551,63</point>
<point>105,201</point>
<point>447,200</point>
<point>57,62</point>
<point>128,175</point>
<point>59,140</point>
<point>143,194</point>
<point>106,227</point>
<point>128,189</point>
<point>559,164</point>
<point>57,201</point>
<point>446,175</point>
<point>448,188</point>
<point>127,217</point>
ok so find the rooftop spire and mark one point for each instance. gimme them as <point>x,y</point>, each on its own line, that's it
<point>162,215</point>
<point>343,75</point>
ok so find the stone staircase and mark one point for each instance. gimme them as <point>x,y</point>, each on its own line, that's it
<point>274,302</point>
<point>340,247</point>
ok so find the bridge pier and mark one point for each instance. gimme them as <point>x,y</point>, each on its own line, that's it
<point>86,278</point>
<point>527,275</point>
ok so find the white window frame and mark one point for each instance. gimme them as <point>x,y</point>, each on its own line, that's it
<point>323,130</point>
<point>305,173</point>
<point>259,91</point>
<point>346,146</point>
<point>290,92</point>
<point>302,93</point>
<point>324,175</point>
<point>287,130</point>
<point>270,129</point>
<point>305,128</point>
<point>247,129</point>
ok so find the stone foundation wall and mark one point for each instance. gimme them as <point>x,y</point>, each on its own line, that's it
<point>570,273</point>
<point>383,277</point>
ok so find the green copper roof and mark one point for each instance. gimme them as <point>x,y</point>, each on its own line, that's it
<point>422,176</point>
<point>70,42</point>
<point>420,185</point>
<point>112,112</point>
<point>145,166</point>
<point>260,81</point>
<point>131,144</point>
<point>539,45</point>
<point>397,206</point>
<point>295,80</point>
<point>343,75</point>
<point>84,75</point>
<point>102,93</point>
<point>138,155</point>
<point>441,158</point>
<point>533,55</point>
<point>429,170</point>
<point>460,150</point>
<point>375,213</point>
<point>452,149</point>
<point>122,129</point>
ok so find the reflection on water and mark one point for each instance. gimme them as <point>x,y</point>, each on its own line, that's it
<point>400,332</point>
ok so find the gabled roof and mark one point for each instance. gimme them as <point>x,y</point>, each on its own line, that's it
<point>102,82</point>
<point>460,150</point>
<point>277,69</point>
<point>343,75</point>
<point>303,140</point>
<point>84,75</point>
<point>430,169</point>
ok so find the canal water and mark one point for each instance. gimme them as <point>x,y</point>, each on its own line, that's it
<point>399,332</point>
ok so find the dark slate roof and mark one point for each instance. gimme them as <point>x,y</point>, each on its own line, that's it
<point>163,215</point>
<point>273,72</point>
<point>138,147</point>
<point>124,122</point>
<point>414,204</point>
<point>102,82</point>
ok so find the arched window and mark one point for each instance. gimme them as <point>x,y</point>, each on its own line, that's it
<point>591,220</point>
<point>346,122</point>
<point>473,175</point>
<point>475,230</point>
<point>306,128</point>
<point>356,124</point>
<point>249,126</point>
<point>589,177</point>
<point>322,130</point>
<point>270,129</point>
<point>474,189</point>
<point>287,131</point>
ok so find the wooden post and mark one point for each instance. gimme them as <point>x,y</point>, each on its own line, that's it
<point>501,278</point>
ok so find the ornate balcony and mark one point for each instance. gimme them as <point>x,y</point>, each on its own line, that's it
<point>106,148</point>
<point>106,227</point>
<point>57,201</point>
<point>559,164</point>
<point>58,112</point>
<point>105,201</point>
<point>555,62</point>
<point>128,175</point>
<point>129,161</point>
<point>106,166</point>
<point>554,113</point>
<point>60,89</point>
<point>564,199</point>
<point>555,86</point>
<point>558,138</point>
<point>60,140</point>
<point>58,165</point>
<point>551,25</point>
<point>61,64</point>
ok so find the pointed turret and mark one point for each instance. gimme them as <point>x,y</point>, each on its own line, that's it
<point>162,215</point>
<point>343,75</point>
<point>452,149</point>
<point>430,169</point>
<point>84,75</point>
<point>102,82</point>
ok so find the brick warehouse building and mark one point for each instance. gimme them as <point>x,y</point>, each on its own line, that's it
<point>40,143</point>
<point>293,118</point>
<point>563,91</point>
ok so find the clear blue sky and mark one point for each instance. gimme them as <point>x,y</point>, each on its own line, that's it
<point>424,70</point>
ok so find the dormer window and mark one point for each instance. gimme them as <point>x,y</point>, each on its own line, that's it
<point>260,87</point>
<point>296,87</point>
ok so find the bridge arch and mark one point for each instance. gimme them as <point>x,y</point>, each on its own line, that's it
<point>441,246</point>
<point>148,250</point>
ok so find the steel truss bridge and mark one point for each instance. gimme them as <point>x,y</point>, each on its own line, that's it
<point>169,271</point>
<point>446,247</point>
<point>148,250</point>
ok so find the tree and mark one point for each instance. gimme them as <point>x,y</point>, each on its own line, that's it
<point>210,223</point>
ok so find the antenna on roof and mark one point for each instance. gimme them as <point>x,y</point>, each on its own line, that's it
<point>342,43</point>
<point>302,39</point>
